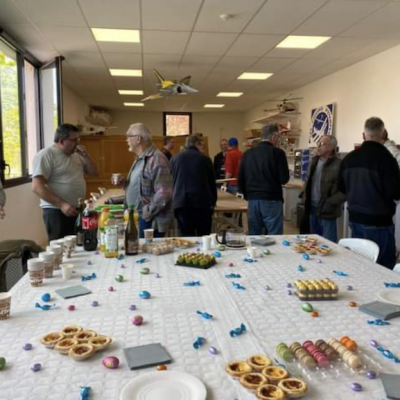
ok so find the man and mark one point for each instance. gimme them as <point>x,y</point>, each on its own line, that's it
<point>391,146</point>
<point>2,201</point>
<point>169,145</point>
<point>58,179</point>
<point>323,200</point>
<point>195,192</point>
<point>149,184</point>
<point>370,177</point>
<point>263,171</point>
<point>219,160</point>
<point>232,164</point>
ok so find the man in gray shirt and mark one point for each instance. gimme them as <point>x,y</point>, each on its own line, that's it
<point>58,179</point>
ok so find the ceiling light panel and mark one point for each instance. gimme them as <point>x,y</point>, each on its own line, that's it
<point>214,105</point>
<point>126,72</point>
<point>302,42</point>
<point>134,104</point>
<point>255,75</point>
<point>116,35</point>
<point>229,94</point>
<point>131,92</point>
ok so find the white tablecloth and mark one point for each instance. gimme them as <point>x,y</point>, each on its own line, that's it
<point>170,319</point>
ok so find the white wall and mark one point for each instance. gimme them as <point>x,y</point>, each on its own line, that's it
<point>75,108</point>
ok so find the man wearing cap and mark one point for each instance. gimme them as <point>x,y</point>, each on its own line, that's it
<point>232,164</point>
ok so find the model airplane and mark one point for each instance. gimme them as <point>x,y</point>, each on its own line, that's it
<point>171,88</point>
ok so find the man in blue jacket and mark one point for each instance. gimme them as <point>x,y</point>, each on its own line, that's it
<point>195,191</point>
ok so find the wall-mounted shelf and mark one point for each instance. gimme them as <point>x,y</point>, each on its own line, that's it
<point>276,116</point>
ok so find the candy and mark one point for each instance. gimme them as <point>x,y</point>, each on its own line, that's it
<point>266,252</point>
<point>110,289</point>
<point>132,307</point>
<point>161,368</point>
<point>356,387</point>
<point>353,304</point>
<point>95,303</point>
<point>300,268</point>
<point>88,277</point>
<point>307,307</point>
<point>217,254</point>
<point>205,315</point>
<point>235,276</point>
<point>119,278</point>
<point>121,257</point>
<point>144,295</point>
<point>199,342</point>
<point>2,363</point>
<point>192,283</point>
<point>315,314</point>
<point>158,276</point>
<point>340,273</point>
<point>319,261</point>
<point>289,285</point>
<point>213,350</point>
<point>230,265</point>
<point>110,362</point>
<point>97,252</point>
<point>46,297</point>
<point>27,346</point>
<point>71,308</point>
<point>306,256</point>
<point>221,247</point>
<point>392,285</point>
<point>44,307</point>
<point>371,375</point>
<point>141,260</point>
<point>144,271</point>
<point>286,243</point>
<point>137,320</point>
<point>349,287</point>
<point>289,292</point>
<point>266,287</point>
<point>249,260</point>
<point>84,393</point>
<point>122,266</point>
<point>89,263</point>
<point>238,331</point>
<point>238,286</point>
<point>388,354</point>
<point>36,367</point>
<point>379,322</point>
<point>373,343</point>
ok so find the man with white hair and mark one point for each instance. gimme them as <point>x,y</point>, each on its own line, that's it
<point>149,184</point>
<point>323,200</point>
<point>370,178</point>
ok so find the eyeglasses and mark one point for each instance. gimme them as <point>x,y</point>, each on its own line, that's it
<point>76,140</point>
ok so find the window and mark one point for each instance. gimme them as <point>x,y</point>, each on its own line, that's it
<point>177,124</point>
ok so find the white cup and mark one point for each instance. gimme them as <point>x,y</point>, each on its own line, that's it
<point>58,252</point>
<point>66,270</point>
<point>48,258</point>
<point>148,236</point>
<point>206,243</point>
<point>214,242</point>
<point>36,271</point>
<point>251,251</point>
<point>5,305</point>
<point>115,179</point>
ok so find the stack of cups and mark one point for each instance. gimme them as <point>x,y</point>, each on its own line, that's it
<point>69,243</point>
<point>36,271</point>
<point>5,305</point>
<point>57,250</point>
<point>214,242</point>
<point>48,258</point>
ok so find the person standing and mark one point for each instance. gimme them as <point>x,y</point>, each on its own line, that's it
<point>263,171</point>
<point>219,160</point>
<point>370,178</point>
<point>391,146</point>
<point>323,200</point>
<point>169,145</point>
<point>149,184</point>
<point>195,192</point>
<point>58,179</point>
<point>2,201</point>
<point>232,164</point>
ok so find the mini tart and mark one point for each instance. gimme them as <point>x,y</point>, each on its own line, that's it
<point>253,380</point>
<point>275,374</point>
<point>84,336</point>
<point>238,368</point>
<point>293,388</point>
<point>270,392</point>
<point>100,342</point>
<point>64,345</point>
<point>81,351</point>
<point>51,339</point>
<point>71,330</point>
<point>259,362</point>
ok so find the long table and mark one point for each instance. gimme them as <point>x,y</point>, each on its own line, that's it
<point>271,316</point>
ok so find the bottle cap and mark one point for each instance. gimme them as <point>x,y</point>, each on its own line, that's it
<point>106,209</point>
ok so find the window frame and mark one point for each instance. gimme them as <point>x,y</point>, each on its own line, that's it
<point>166,113</point>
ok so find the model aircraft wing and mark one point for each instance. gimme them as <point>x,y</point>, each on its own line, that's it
<point>153,97</point>
<point>186,80</point>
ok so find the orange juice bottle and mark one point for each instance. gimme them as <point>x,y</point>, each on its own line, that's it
<point>111,238</point>
<point>105,214</point>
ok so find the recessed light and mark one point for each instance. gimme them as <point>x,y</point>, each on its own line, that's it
<point>229,94</point>
<point>255,75</point>
<point>116,35</point>
<point>131,92</point>
<point>126,72</point>
<point>134,104</point>
<point>302,42</point>
<point>214,105</point>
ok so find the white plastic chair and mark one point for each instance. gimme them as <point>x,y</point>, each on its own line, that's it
<point>363,247</point>
<point>397,268</point>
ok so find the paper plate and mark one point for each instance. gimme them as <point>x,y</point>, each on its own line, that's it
<point>162,385</point>
<point>390,296</point>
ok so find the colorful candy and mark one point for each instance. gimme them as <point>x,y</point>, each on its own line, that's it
<point>137,320</point>
<point>371,375</point>
<point>284,352</point>
<point>132,307</point>
<point>84,393</point>
<point>36,367</point>
<point>378,322</point>
<point>110,289</point>
<point>161,368</point>
<point>144,271</point>
<point>199,342</point>
<point>340,273</point>
<point>238,331</point>
<point>356,387</point>
<point>46,297</point>
<point>192,283</point>
<point>3,363</point>
<point>315,314</point>
<point>353,304</point>
<point>27,346</point>
<point>110,362</point>
<point>307,307</point>
<point>213,350</point>
<point>144,295</point>
<point>205,315</point>
<point>235,276</point>
<point>238,286</point>
<point>71,307</point>
<point>88,277</point>
<point>119,278</point>
<point>95,303</point>
<point>44,307</point>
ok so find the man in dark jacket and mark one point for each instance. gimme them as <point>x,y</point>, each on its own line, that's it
<point>169,145</point>
<point>195,192</point>
<point>263,171</point>
<point>370,177</point>
<point>219,160</point>
<point>323,200</point>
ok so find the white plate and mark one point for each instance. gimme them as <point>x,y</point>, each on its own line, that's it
<point>390,296</point>
<point>162,385</point>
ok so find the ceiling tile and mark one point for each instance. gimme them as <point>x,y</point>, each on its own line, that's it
<point>164,42</point>
<point>109,47</point>
<point>112,14</point>
<point>304,66</point>
<point>11,14</point>
<point>270,64</point>
<point>86,60</point>
<point>206,63</point>
<point>237,64</point>
<point>254,45</point>
<point>376,47</point>
<point>283,16</point>
<point>161,61</point>
<point>210,44</point>
<point>123,60</point>
<point>287,53</point>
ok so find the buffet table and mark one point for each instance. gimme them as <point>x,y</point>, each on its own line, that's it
<point>170,318</point>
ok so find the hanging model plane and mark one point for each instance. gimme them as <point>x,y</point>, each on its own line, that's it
<point>169,88</point>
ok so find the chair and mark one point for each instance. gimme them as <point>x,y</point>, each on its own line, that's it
<point>363,247</point>
<point>397,268</point>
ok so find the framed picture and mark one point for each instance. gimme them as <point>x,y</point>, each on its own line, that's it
<point>321,123</point>
<point>177,124</point>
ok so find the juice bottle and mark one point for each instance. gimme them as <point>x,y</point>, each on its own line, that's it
<point>111,238</point>
<point>105,214</point>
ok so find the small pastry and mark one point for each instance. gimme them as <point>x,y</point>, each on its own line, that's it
<point>270,392</point>
<point>100,342</point>
<point>51,339</point>
<point>274,374</point>
<point>64,345</point>
<point>294,388</point>
<point>253,380</point>
<point>84,336</point>
<point>259,362</point>
<point>238,368</point>
<point>81,351</point>
<point>71,330</point>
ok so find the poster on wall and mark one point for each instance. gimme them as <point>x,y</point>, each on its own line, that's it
<point>321,123</point>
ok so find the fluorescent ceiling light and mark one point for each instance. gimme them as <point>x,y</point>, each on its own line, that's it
<point>255,75</point>
<point>131,92</point>
<point>214,105</point>
<point>134,104</point>
<point>229,94</point>
<point>126,72</point>
<point>302,42</point>
<point>116,35</point>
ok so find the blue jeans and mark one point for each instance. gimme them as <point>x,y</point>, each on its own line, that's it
<point>148,225</point>
<point>265,214</point>
<point>232,189</point>
<point>323,227</point>
<point>383,236</point>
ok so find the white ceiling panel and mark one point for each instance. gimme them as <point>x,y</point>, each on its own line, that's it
<point>305,66</point>
<point>210,44</point>
<point>122,14</point>
<point>164,42</point>
<point>123,60</point>
<point>206,63</point>
<point>10,14</point>
<point>241,11</point>
<point>283,16</point>
<point>237,64</point>
<point>254,45</point>
<point>270,64</point>
<point>109,47</point>
<point>176,15</point>
<point>287,53</point>
<point>161,61</point>
<point>53,12</point>
<point>376,47</point>
<point>127,82</point>
<point>336,16</point>
<point>86,60</point>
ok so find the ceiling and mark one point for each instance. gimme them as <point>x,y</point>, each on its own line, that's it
<point>188,37</point>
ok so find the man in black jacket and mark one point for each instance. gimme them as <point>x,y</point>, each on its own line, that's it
<point>195,192</point>
<point>370,177</point>
<point>263,171</point>
<point>219,160</point>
